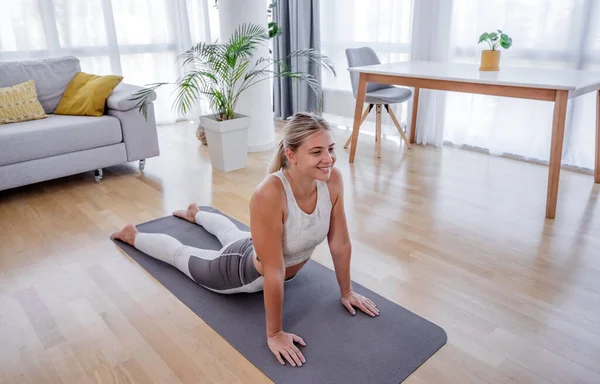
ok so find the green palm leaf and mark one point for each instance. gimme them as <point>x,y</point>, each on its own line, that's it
<point>220,73</point>
<point>314,57</point>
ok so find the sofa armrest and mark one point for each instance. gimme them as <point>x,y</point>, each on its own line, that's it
<point>120,98</point>
<point>139,133</point>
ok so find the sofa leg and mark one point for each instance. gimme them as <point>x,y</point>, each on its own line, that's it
<point>142,164</point>
<point>99,175</point>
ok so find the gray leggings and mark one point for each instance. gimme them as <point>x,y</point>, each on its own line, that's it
<point>229,270</point>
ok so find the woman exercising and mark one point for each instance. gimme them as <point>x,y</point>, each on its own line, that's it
<point>296,207</point>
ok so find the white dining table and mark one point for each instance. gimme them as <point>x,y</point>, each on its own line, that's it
<point>554,85</point>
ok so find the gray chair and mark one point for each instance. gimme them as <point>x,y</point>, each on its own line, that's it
<point>376,94</point>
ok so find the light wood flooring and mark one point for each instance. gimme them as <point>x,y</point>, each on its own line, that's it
<point>457,237</point>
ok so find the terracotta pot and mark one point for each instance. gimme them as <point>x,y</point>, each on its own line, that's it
<point>200,134</point>
<point>490,60</point>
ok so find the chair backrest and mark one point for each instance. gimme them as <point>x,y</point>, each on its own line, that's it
<point>358,57</point>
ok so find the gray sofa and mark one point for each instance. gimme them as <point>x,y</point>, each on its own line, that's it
<point>60,145</point>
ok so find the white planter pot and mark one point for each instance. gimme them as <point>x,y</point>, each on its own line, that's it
<point>227,141</point>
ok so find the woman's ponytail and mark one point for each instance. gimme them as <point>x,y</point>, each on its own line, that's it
<point>279,158</point>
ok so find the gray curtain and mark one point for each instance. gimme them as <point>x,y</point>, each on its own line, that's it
<point>300,29</point>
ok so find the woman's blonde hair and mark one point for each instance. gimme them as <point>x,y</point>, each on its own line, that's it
<point>301,126</point>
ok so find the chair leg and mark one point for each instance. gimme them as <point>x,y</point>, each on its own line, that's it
<point>362,119</point>
<point>378,131</point>
<point>397,124</point>
<point>99,175</point>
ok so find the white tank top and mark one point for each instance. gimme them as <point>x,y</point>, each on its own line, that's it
<point>302,232</point>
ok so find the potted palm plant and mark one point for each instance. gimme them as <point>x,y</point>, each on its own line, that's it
<point>220,73</point>
<point>490,58</point>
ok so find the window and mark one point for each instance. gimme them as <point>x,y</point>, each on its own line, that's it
<point>383,25</point>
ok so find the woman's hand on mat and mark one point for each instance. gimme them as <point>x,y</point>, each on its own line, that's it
<point>353,299</point>
<point>282,344</point>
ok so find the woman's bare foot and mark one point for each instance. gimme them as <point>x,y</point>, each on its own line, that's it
<point>190,214</point>
<point>127,234</point>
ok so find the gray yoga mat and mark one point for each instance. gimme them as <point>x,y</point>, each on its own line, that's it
<point>341,348</point>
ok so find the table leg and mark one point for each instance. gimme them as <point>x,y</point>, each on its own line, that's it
<point>360,100</point>
<point>413,123</point>
<point>597,167</point>
<point>556,147</point>
<point>378,130</point>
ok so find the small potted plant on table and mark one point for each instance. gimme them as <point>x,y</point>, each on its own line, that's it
<point>490,58</point>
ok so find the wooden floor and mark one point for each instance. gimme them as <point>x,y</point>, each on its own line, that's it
<point>457,237</point>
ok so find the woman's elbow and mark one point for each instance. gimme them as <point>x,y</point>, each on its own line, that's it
<point>274,274</point>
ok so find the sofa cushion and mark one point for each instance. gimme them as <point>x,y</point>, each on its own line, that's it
<point>86,94</point>
<point>51,77</point>
<point>56,135</point>
<point>19,103</point>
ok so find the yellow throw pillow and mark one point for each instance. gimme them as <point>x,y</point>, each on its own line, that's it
<point>20,103</point>
<point>86,94</point>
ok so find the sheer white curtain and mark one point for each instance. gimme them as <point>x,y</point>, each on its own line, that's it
<point>385,26</point>
<point>138,39</point>
<point>432,20</point>
<point>546,33</point>
<point>398,30</point>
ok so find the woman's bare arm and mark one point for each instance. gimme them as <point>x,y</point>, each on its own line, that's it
<point>338,237</point>
<point>267,229</point>
<point>266,223</point>
<point>341,249</point>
